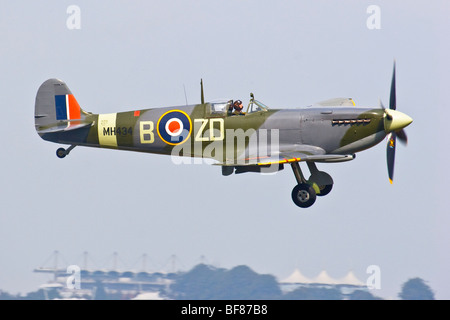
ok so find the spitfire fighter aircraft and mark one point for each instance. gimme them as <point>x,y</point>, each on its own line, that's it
<point>261,139</point>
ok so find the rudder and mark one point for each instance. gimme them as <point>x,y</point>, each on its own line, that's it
<point>56,108</point>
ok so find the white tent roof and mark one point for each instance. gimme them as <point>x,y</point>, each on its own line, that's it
<point>323,278</point>
<point>296,277</point>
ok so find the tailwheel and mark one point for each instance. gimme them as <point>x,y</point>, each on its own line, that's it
<point>61,153</point>
<point>303,195</point>
<point>324,190</point>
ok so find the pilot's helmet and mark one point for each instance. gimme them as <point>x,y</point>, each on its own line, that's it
<point>238,102</point>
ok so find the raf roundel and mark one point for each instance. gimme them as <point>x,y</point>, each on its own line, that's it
<point>174,127</point>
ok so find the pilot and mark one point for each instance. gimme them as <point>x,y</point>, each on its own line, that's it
<point>238,107</point>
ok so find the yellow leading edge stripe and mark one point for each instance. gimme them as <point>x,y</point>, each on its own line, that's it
<point>281,161</point>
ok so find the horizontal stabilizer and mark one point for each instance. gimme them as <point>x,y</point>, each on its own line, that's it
<point>64,126</point>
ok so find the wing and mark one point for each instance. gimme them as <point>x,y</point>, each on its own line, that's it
<point>287,155</point>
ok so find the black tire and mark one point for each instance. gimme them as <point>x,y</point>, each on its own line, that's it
<point>303,195</point>
<point>61,153</point>
<point>324,190</point>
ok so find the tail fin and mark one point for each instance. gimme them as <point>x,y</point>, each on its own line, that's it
<point>57,110</point>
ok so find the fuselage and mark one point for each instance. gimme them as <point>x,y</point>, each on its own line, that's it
<point>197,129</point>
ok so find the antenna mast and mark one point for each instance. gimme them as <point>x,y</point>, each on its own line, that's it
<point>202,95</point>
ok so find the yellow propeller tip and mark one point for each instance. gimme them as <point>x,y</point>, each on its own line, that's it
<point>391,181</point>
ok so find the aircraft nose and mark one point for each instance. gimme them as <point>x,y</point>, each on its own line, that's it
<point>396,120</point>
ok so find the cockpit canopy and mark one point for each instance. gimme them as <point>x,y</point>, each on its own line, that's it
<point>220,107</point>
<point>255,106</point>
<point>224,106</point>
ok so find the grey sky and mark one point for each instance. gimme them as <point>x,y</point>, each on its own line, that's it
<point>139,54</point>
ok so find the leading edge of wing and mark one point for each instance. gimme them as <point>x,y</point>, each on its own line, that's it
<point>297,157</point>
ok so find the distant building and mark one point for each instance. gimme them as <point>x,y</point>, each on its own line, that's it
<point>106,283</point>
<point>126,285</point>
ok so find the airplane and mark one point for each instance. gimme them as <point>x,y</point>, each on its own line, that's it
<point>261,139</point>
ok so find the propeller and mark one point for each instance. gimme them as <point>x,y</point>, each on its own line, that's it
<point>394,122</point>
<point>390,155</point>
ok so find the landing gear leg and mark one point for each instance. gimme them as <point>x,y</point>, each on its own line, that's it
<point>298,173</point>
<point>303,194</point>
<point>61,152</point>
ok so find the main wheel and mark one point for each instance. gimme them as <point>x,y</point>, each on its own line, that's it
<point>61,153</point>
<point>303,195</point>
<point>324,190</point>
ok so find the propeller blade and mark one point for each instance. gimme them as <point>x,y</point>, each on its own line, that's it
<point>392,98</point>
<point>390,155</point>
<point>388,115</point>
<point>401,134</point>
